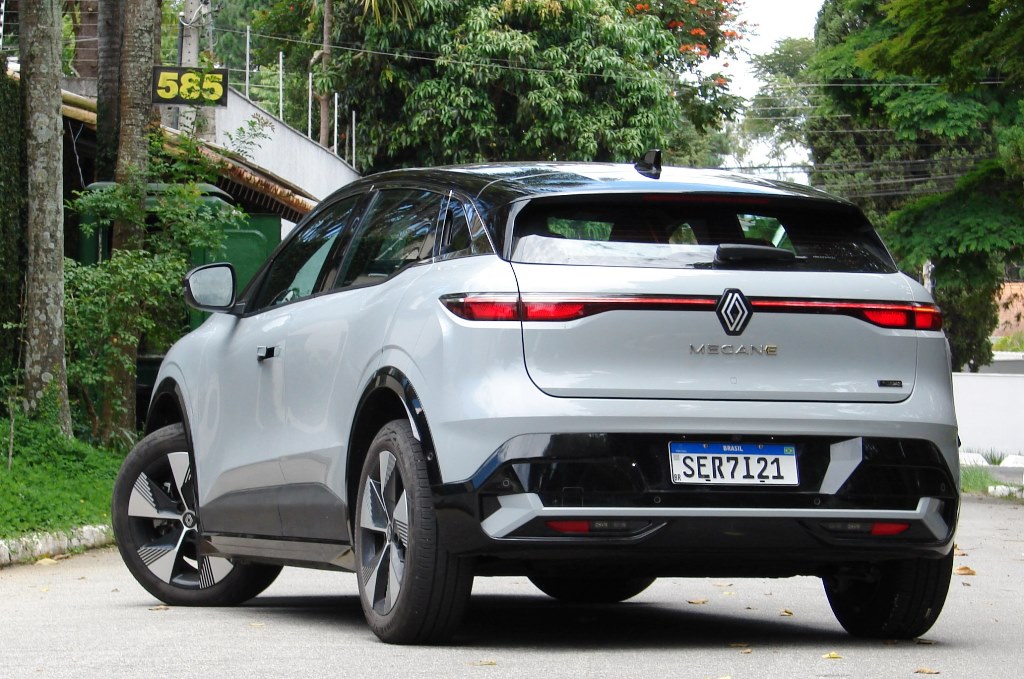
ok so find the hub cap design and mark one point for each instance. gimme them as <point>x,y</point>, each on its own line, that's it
<point>165,526</point>
<point>384,534</point>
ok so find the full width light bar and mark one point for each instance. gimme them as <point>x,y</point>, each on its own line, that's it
<point>569,307</point>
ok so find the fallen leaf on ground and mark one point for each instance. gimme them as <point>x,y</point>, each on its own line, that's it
<point>965,570</point>
<point>832,655</point>
<point>924,642</point>
<point>257,624</point>
<point>926,670</point>
<point>484,663</point>
<point>739,644</point>
<point>728,593</point>
<point>161,607</point>
<point>46,561</point>
<point>959,552</point>
<point>697,602</point>
<point>747,651</point>
<point>786,613</point>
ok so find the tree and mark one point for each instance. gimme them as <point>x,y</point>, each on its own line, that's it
<point>108,87</point>
<point>898,142</point>
<point>972,233</point>
<point>969,235</point>
<point>783,106</point>
<point>45,372</point>
<point>499,79</point>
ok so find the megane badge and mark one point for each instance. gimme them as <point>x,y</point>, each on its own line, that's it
<point>734,311</point>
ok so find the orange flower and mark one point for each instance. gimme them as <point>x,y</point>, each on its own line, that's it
<point>698,31</point>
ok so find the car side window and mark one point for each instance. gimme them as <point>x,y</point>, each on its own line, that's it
<point>399,229</point>
<point>297,267</point>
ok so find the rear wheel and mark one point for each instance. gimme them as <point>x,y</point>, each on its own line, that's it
<point>412,590</point>
<point>895,600</point>
<point>591,590</point>
<point>156,526</point>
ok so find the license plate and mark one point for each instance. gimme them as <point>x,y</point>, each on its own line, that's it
<point>734,464</point>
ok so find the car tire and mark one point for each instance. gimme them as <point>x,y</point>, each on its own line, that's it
<point>591,590</point>
<point>411,589</point>
<point>157,529</point>
<point>901,600</point>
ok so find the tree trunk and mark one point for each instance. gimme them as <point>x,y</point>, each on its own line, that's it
<point>325,98</point>
<point>141,22</point>
<point>108,87</point>
<point>45,372</point>
<point>140,30</point>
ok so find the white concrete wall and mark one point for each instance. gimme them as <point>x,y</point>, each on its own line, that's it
<point>288,153</point>
<point>990,412</point>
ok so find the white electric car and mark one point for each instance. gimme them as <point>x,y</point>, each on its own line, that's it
<point>592,375</point>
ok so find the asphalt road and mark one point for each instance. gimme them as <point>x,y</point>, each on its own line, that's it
<point>85,617</point>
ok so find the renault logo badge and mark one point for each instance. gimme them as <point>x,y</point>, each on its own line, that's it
<point>734,311</point>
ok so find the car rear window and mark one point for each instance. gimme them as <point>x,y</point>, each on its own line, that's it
<point>698,231</point>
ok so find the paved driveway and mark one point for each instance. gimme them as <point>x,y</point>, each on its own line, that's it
<point>86,617</point>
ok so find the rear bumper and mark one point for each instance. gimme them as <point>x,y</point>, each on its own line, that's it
<point>607,500</point>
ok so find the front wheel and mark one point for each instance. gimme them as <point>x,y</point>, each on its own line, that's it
<point>894,600</point>
<point>156,526</point>
<point>411,589</point>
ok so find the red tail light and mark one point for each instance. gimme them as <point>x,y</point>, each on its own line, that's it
<point>561,308</point>
<point>498,307</point>
<point>895,315</point>
<point>510,307</point>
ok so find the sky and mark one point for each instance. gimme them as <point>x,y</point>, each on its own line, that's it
<point>768,22</point>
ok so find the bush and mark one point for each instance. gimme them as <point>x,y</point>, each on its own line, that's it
<point>54,483</point>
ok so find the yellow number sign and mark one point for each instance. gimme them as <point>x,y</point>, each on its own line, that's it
<point>190,86</point>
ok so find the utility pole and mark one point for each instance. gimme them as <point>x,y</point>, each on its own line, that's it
<point>198,120</point>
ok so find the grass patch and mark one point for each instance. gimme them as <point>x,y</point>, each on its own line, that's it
<point>54,483</point>
<point>1012,342</point>
<point>976,480</point>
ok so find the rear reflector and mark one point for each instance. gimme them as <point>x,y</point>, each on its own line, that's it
<point>569,526</point>
<point>881,529</point>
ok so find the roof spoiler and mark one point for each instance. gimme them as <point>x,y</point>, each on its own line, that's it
<point>650,164</point>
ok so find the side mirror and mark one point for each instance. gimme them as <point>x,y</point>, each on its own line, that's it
<point>211,288</point>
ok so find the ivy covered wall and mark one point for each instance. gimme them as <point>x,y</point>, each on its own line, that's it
<point>12,212</point>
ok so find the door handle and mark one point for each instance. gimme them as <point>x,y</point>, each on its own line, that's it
<point>263,353</point>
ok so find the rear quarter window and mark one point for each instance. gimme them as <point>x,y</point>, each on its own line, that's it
<point>698,231</point>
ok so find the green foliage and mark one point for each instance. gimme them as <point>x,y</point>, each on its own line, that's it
<point>976,480</point>
<point>133,298</point>
<point>954,40</point>
<point>782,105</point>
<point>248,138</point>
<point>893,126</point>
<point>110,306</point>
<point>968,235</point>
<point>1012,342</point>
<point>514,79</point>
<point>55,483</point>
<point>12,240</point>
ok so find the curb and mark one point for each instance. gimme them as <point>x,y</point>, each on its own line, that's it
<point>39,545</point>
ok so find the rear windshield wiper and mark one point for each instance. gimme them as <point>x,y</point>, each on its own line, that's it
<point>739,252</point>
